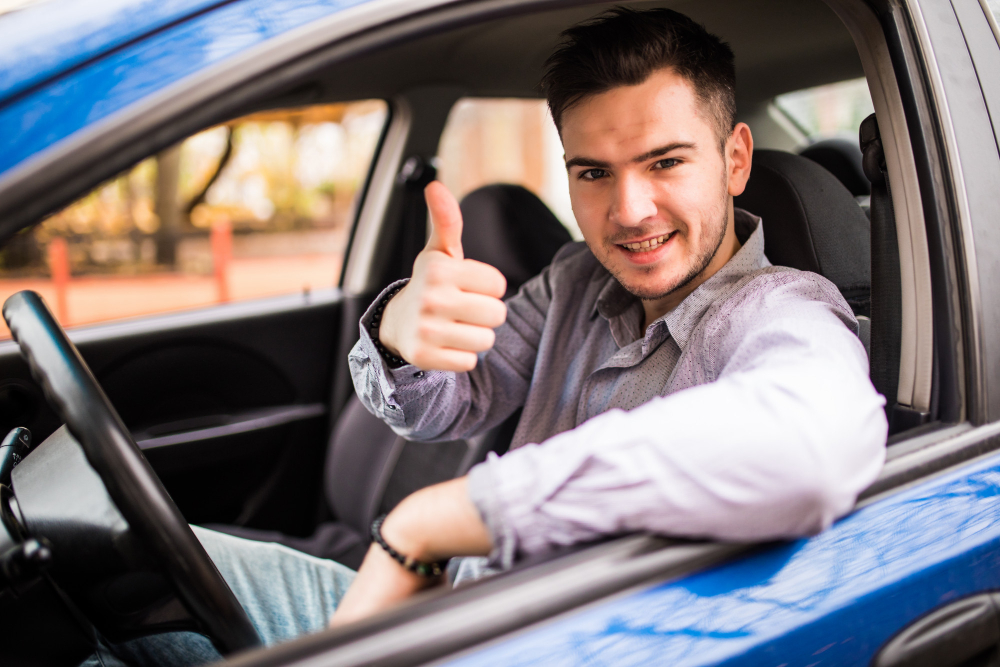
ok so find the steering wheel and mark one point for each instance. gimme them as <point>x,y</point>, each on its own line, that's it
<point>73,392</point>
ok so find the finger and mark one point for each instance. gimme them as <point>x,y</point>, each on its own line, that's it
<point>444,359</point>
<point>481,278</point>
<point>446,220</point>
<point>469,308</point>
<point>456,336</point>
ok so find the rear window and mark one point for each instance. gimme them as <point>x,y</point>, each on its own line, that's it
<point>827,112</point>
<point>503,140</point>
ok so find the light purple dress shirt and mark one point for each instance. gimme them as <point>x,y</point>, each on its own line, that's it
<point>744,414</point>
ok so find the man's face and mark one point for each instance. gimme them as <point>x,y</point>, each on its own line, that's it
<point>649,186</point>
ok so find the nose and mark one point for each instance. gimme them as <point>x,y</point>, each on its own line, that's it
<point>633,201</point>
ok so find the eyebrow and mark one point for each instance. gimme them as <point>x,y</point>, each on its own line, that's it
<point>648,155</point>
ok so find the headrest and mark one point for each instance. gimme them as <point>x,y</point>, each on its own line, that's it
<point>842,158</point>
<point>811,222</point>
<point>510,228</point>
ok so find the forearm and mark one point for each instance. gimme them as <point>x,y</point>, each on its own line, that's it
<point>755,456</point>
<point>438,522</point>
<point>433,524</point>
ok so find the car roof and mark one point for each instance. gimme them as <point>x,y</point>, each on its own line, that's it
<point>45,39</point>
<point>78,76</point>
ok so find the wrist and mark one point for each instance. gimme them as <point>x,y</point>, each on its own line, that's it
<point>378,330</point>
<point>403,530</point>
<point>387,330</point>
<point>436,523</point>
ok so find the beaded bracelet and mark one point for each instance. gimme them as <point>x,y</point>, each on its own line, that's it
<point>435,569</point>
<point>393,361</point>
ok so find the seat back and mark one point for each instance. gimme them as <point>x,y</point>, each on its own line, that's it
<point>368,467</point>
<point>842,158</point>
<point>510,228</point>
<point>811,222</point>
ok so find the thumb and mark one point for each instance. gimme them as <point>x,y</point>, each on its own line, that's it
<point>446,220</point>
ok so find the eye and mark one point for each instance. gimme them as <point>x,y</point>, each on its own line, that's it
<point>592,174</point>
<point>666,163</point>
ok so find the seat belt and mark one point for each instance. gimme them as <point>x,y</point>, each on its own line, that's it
<point>415,175</point>
<point>886,295</point>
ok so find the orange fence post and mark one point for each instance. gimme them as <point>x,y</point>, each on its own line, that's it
<point>59,266</point>
<point>222,252</point>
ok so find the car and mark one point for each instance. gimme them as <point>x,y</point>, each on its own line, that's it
<point>241,410</point>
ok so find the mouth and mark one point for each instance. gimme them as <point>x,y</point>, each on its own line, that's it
<point>648,245</point>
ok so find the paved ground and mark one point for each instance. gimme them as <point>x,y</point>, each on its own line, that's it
<point>102,298</point>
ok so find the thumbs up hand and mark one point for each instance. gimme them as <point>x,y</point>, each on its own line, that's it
<point>448,310</point>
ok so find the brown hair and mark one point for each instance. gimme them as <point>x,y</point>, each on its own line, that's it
<point>623,47</point>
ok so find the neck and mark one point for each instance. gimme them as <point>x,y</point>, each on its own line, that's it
<point>657,308</point>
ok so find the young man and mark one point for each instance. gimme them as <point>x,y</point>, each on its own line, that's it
<point>672,380</point>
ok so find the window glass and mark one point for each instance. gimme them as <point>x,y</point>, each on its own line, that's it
<point>258,207</point>
<point>825,112</point>
<point>506,141</point>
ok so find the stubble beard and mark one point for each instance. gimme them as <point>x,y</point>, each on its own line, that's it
<point>698,266</point>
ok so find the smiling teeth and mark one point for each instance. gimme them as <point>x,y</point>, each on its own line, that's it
<point>646,246</point>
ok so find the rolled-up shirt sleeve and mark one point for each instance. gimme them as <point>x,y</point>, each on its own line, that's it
<point>443,405</point>
<point>779,445</point>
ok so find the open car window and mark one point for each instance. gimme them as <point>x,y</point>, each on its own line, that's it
<point>506,140</point>
<point>261,206</point>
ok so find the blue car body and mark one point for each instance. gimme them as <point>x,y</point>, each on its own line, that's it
<point>99,61</point>
<point>833,599</point>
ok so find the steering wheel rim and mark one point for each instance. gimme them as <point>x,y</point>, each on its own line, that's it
<point>79,401</point>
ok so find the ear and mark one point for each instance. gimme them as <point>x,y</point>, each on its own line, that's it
<point>739,155</point>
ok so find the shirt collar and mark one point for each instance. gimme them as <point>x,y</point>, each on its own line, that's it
<point>614,301</point>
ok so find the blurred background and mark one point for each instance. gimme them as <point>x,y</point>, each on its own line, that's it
<point>263,206</point>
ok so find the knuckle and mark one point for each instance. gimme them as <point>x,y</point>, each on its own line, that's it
<point>438,271</point>
<point>426,330</point>
<point>430,304</point>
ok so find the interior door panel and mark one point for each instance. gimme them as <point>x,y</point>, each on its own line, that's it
<point>229,404</point>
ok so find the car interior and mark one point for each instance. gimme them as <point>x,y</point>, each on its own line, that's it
<point>246,412</point>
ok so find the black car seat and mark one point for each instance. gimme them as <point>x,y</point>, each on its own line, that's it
<point>369,469</point>
<point>812,222</point>
<point>842,158</point>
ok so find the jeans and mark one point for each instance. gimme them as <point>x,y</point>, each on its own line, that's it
<point>286,594</point>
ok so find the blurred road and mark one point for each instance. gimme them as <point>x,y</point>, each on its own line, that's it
<point>93,299</point>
